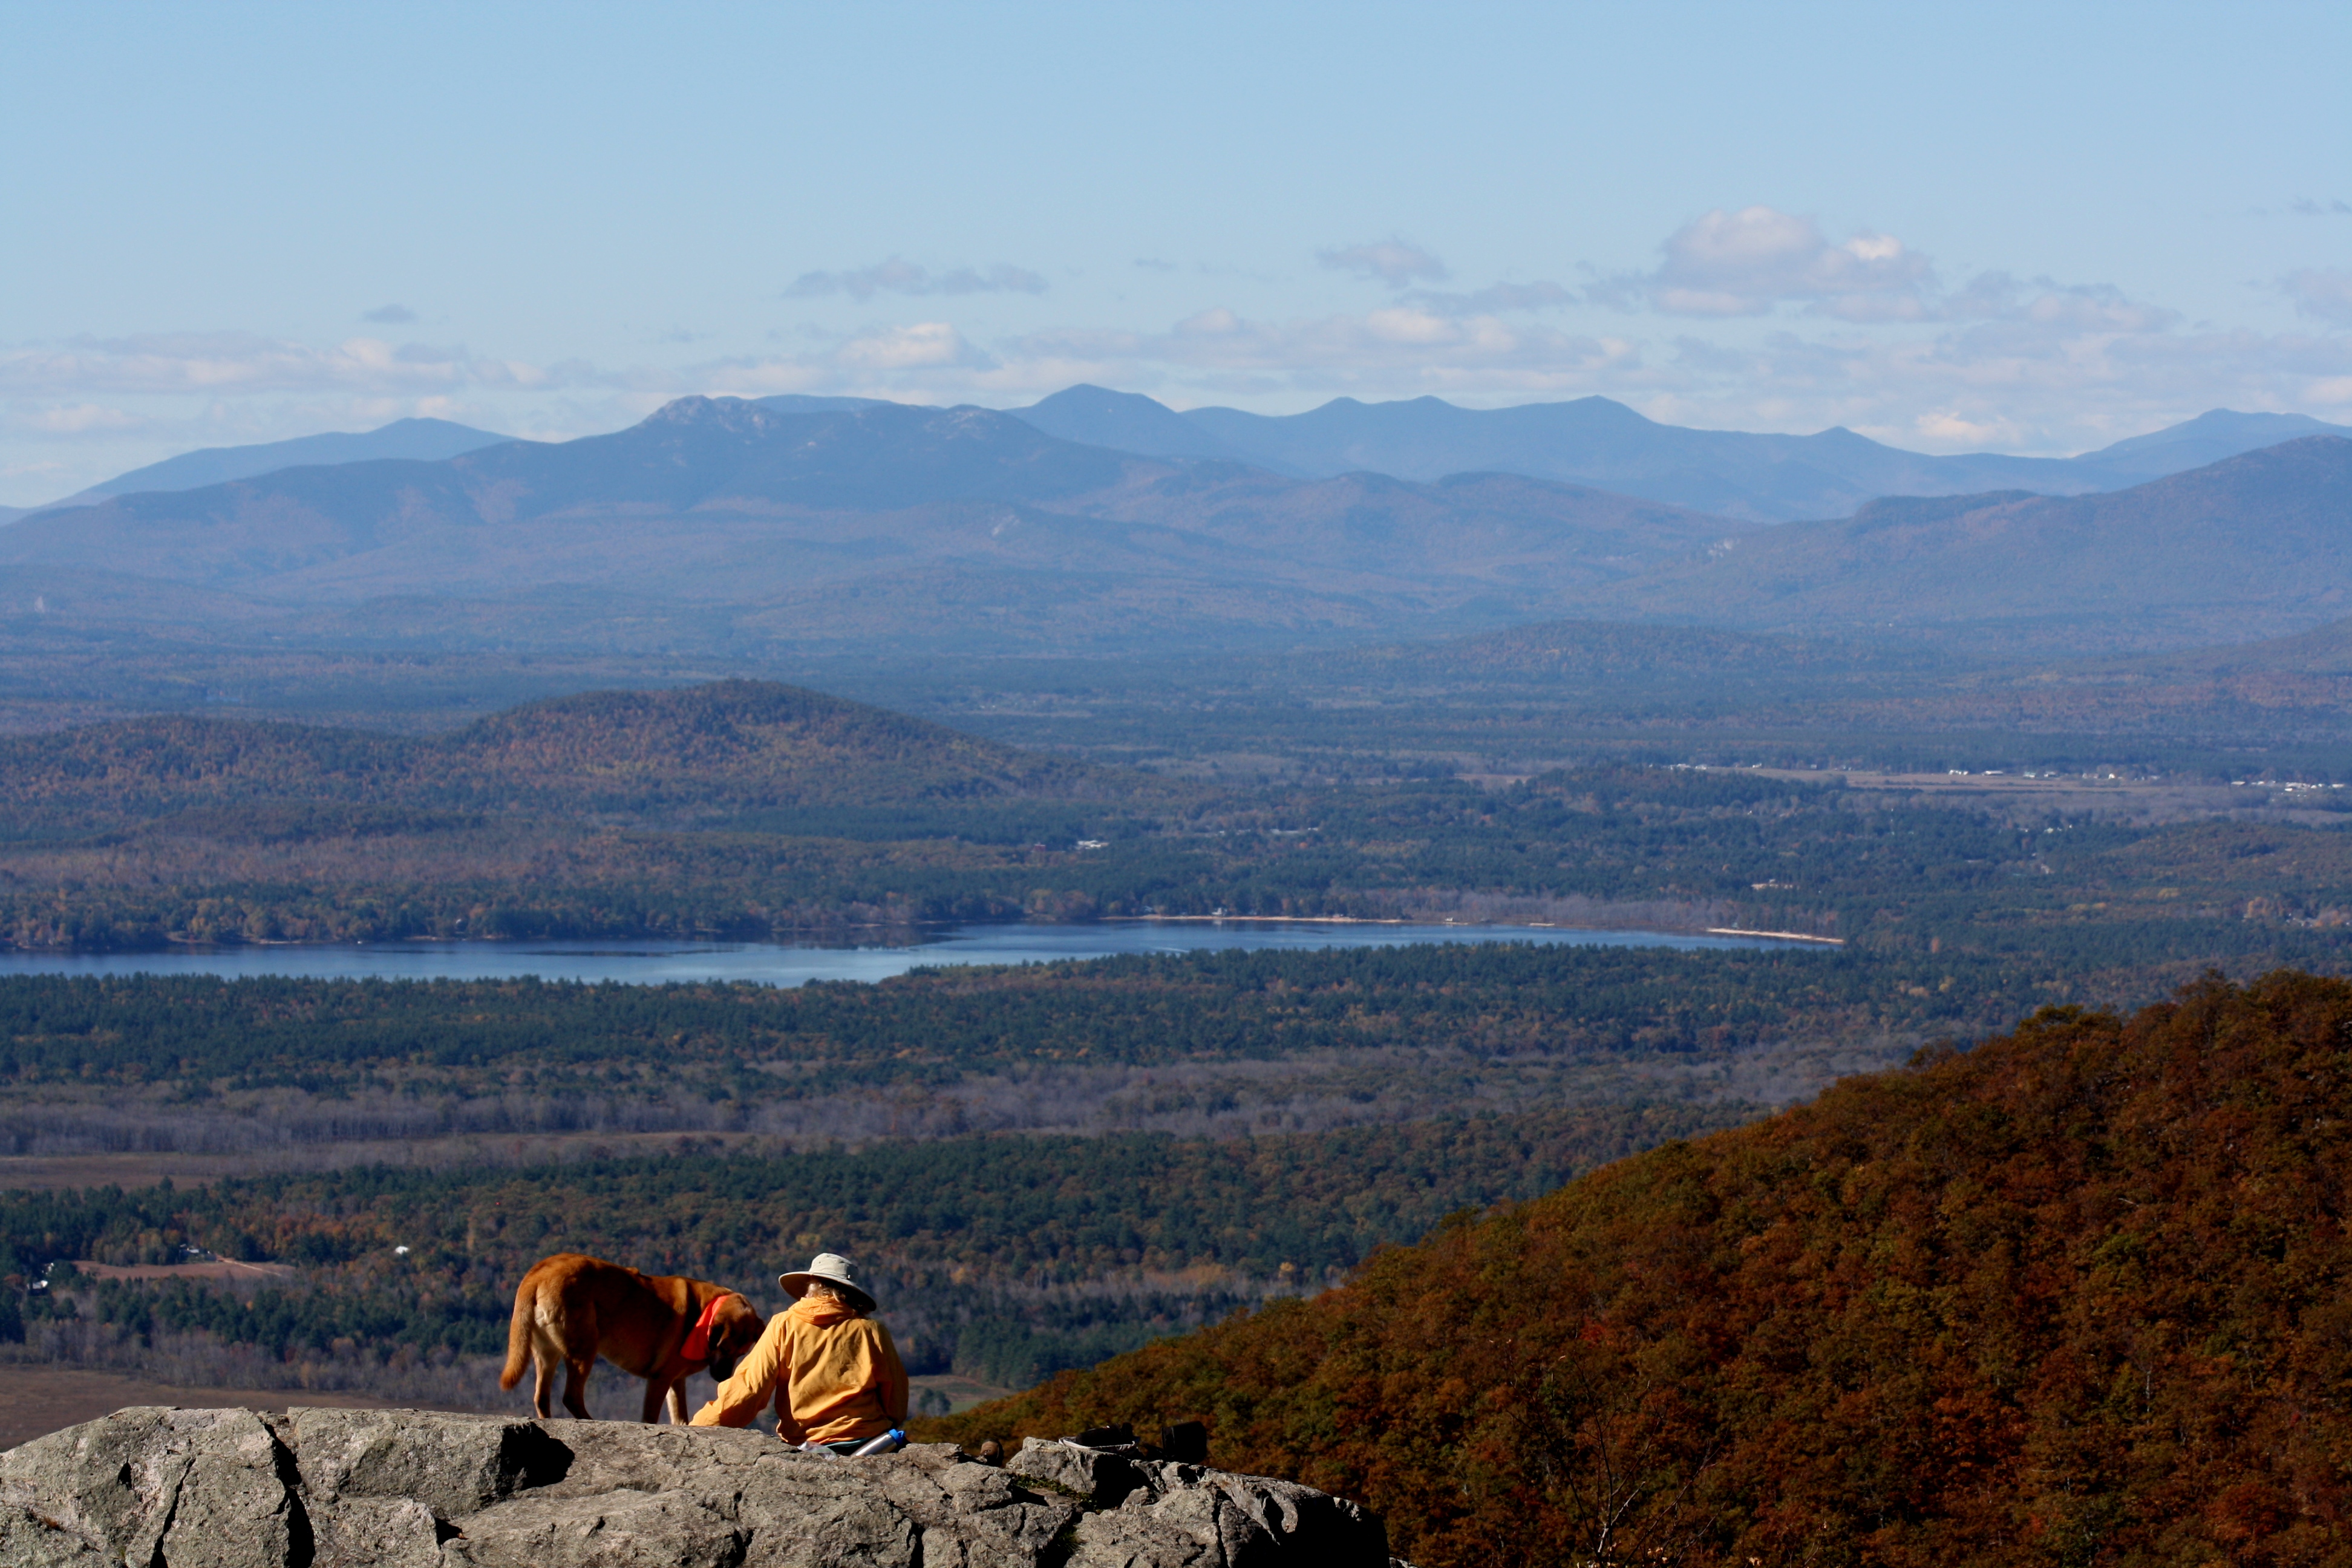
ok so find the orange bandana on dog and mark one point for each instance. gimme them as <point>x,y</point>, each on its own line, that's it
<point>698,1342</point>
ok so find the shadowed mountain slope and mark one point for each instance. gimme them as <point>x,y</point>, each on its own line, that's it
<point>748,532</point>
<point>1595,441</point>
<point>952,527</point>
<point>405,526</point>
<point>2323,650</point>
<point>802,402</point>
<point>1129,422</point>
<point>2210,437</point>
<point>2254,546</point>
<point>2078,1295</point>
<point>427,440</point>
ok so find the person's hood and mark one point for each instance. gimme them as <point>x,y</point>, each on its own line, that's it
<point>824,1311</point>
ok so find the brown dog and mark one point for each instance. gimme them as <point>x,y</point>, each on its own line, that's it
<point>570,1309</point>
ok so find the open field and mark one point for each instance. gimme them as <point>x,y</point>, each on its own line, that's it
<point>226,1270</point>
<point>2110,796</point>
<point>960,1393</point>
<point>53,1173</point>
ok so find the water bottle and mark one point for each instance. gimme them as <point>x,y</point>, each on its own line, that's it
<point>890,1442</point>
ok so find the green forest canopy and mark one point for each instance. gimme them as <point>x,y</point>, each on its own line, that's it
<point>1484,1001</point>
<point>1003,1258</point>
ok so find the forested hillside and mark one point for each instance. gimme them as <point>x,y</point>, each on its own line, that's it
<point>2248,547</point>
<point>2075,1295</point>
<point>1206,1043</point>
<point>1002,1259</point>
<point>724,750</point>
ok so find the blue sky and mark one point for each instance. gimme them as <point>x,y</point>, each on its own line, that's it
<point>2014,227</point>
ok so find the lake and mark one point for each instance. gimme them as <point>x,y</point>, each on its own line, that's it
<point>787,963</point>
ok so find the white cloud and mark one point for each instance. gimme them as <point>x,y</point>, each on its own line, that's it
<point>2323,293</point>
<point>1746,263</point>
<point>80,419</point>
<point>1495,298</point>
<point>1376,353</point>
<point>2061,371</point>
<point>1945,430</point>
<point>1399,350</point>
<point>926,345</point>
<point>1397,337</point>
<point>1391,261</point>
<point>248,363</point>
<point>898,277</point>
<point>873,363</point>
<point>1750,319</point>
<point>2002,363</point>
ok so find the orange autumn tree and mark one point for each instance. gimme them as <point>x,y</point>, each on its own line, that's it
<point>2081,1295</point>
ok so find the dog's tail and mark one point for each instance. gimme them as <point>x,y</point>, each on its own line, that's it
<point>518,1332</point>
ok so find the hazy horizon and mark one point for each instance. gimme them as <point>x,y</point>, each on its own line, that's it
<point>2029,233</point>
<point>1175,407</point>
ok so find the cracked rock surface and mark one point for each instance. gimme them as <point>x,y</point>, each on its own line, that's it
<point>229,1489</point>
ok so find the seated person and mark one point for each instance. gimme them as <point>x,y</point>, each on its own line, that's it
<point>830,1369</point>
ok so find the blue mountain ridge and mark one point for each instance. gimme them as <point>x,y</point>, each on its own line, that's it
<point>425,440</point>
<point>961,528</point>
<point>1602,442</point>
<point>1591,441</point>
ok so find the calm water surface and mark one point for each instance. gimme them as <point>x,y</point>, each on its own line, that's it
<point>793,964</point>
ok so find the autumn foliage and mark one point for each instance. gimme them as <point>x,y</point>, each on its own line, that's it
<point>2079,1295</point>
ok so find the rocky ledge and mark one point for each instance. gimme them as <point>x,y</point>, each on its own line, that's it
<point>228,1489</point>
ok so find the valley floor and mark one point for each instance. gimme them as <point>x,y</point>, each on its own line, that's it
<point>38,1400</point>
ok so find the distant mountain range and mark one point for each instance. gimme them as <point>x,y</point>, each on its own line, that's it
<point>809,526</point>
<point>875,525</point>
<point>1594,441</point>
<point>425,439</point>
<point>2256,546</point>
<point>1591,441</point>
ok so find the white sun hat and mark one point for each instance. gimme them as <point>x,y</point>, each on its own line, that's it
<point>834,1269</point>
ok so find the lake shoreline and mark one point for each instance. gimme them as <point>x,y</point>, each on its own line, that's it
<point>719,960</point>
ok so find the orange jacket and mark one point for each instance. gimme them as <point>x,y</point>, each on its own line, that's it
<point>832,1370</point>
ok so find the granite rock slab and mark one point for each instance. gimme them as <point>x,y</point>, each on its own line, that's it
<point>159,1488</point>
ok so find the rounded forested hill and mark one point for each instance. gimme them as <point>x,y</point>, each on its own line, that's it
<point>744,742</point>
<point>730,746</point>
<point>2081,1295</point>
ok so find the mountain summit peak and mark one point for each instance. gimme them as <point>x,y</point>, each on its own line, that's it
<point>727,413</point>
